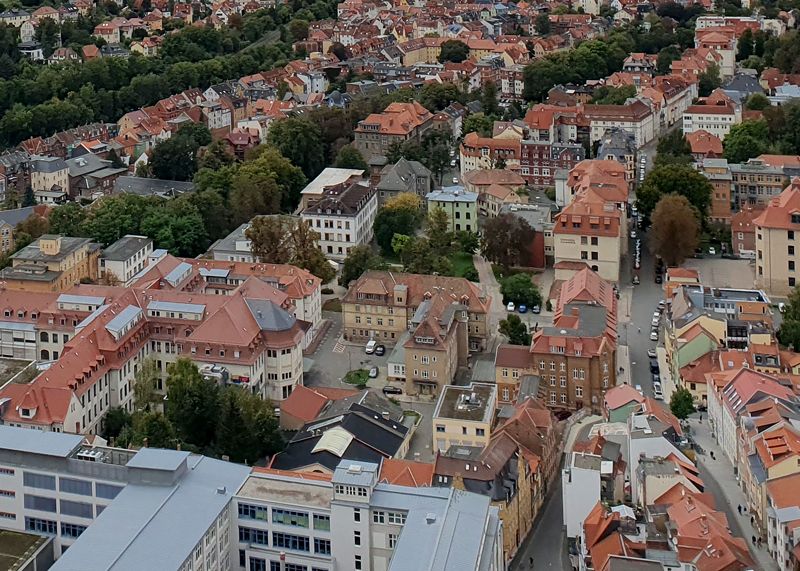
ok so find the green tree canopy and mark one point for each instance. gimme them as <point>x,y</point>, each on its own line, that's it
<point>300,140</point>
<point>454,51</point>
<point>349,157</point>
<point>674,179</point>
<point>681,403</point>
<point>746,140</point>
<point>515,330</point>
<point>520,289</point>
<point>359,260</point>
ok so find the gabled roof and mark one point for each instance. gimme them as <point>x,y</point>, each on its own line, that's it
<point>406,473</point>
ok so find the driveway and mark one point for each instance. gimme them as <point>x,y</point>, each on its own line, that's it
<point>490,287</point>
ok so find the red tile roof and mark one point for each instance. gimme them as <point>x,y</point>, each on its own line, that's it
<point>406,473</point>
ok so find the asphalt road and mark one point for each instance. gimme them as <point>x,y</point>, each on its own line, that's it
<point>547,544</point>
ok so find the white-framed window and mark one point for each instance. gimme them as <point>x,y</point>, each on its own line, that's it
<point>563,399</point>
<point>579,392</point>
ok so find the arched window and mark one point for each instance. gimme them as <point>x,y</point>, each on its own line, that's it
<point>43,336</point>
<point>45,355</point>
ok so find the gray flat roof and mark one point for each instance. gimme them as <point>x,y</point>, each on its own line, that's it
<point>123,318</point>
<point>81,299</point>
<point>126,247</point>
<point>38,442</point>
<point>158,459</point>
<point>179,307</point>
<point>156,527</point>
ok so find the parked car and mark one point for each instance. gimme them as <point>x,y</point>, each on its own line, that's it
<point>651,353</point>
<point>658,279</point>
<point>712,251</point>
<point>370,348</point>
<point>510,306</point>
<point>635,279</point>
<point>455,180</point>
<point>522,308</point>
<point>380,350</point>
<point>639,388</point>
<point>654,335</point>
<point>662,304</point>
<point>658,393</point>
<point>653,366</point>
<point>633,233</point>
<point>392,390</point>
<point>536,309</point>
<point>373,373</point>
<point>656,378</point>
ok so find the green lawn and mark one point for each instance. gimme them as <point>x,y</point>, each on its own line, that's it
<point>462,263</point>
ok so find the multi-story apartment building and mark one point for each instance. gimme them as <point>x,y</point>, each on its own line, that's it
<point>399,123</point>
<point>125,258</point>
<point>57,486</point>
<point>52,263</point>
<point>635,117</point>
<point>716,115</point>
<point>777,229</point>
<point>343,217</point>
<point>464,416</point>
<point>353,520</point>
<point>460,205</point>
<point>575,358</point>
<point>755,183</point>
<point>49,172</point>
<point>488,153</point>
<point>238,324</point>
<point>539,161</point>
<point>718,173</point>
<point>592,233</point>
<point>743,232</point>
<point>620,146</point>
<point>379,305</point>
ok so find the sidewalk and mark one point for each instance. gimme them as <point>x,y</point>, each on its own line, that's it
<point>623,365</point>
<point>725,485</point>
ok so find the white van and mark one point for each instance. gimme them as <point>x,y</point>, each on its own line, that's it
<point>370,348</point>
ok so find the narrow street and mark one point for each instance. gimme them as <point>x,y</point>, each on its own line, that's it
<point>547,544</point>
<point>490,287</point>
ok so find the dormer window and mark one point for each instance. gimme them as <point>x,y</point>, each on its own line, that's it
<point>796,218</point>
<point>26,412</point>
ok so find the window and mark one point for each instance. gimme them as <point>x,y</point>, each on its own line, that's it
<point>322,546</point>
<point>791,250</point>
<point>392,540</point>
<point>251,535</point>
<point>72,530</point>
<point>791,282</point>
<point>107,491</point>
<point>249,511</point>
<point>356,538</point>
<point>72,486</point>
<point>257,564</point>
<point>480,432</point>
<point>357,563</point>
<point>578,392</point>
<point>439,428</point>
<point>563,381</point>
<point>322,522</point>
<point>288,541</point>
<point>396,518</point>
<point>77,509</point>
<point>356,515</point>
<point>286,517</point>
<point>42,481</point>
<point>40,525</point>
<point>40,503</point>
<point>378,517</point>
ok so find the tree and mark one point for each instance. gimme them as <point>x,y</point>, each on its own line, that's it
<point>675,231</point>
<point>468,242</point>
<point>359,259</point>
<point>489,99</point>
<point>665,58</point>
<point>454,51</point>
<point>542,25</point>
<point>478,123</point>
<point>438,232</point>
<point>789,333</point>
<point>254,191</point>
<point>192,403</point>
<point>746,140</point>
<point>216,156</point>
<point>506,239</point>
<point>270,240</point>
<point>176,158</point>
<point>289,178</point>
<point>757,102</point>
<point>298,30</point>
<point>231,433</point>
<point>306,253</point>
<point>674,179</point>
<point>349,157</point>
<point>709,80</point>
<point>152,429</point>
<point>673,143</point>
<point>401,214</point>
<point>299,140</point>
<point>115,419</point>
<point>145,384</point>
<point>520,289</point>
<point>515,330</point>
<point>613,95</point>
<point>681,403</point>
<point>744,47</point>
<point>29,199</point>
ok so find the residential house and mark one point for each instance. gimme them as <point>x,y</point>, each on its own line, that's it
<point>124,259</point>
<point>52,264</point>
<point>478,152</point>
<point>403,176</point>
<point>399,123</point>
<point>620,146</point>
<point>704,145</point>
<point>775,245</point>
<point>328,178</point>
<point>743,232</point>
<point>343,217</point>
<point>463,416</point>
<point>460,205</point>
<point>715,114</point>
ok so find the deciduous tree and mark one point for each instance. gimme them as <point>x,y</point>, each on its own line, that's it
<point>359,260</point>
<point>675,231</point>
<point>681,403</point>
<point>349,157</point>
<point>454,51</point>
<point>520,289</point>
<point>506,239</point>
<point>746,140</point>
<point>299,140</point>
<point>674,179</point>
<point>515,330</point>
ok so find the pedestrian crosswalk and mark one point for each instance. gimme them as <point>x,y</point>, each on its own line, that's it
<point>339,347</point>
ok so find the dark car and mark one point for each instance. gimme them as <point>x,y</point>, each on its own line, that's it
<point>380,350</point>
<point>656,378</point>
<point>653,366</point>
<point>659,279</point>
<point>391,390</point>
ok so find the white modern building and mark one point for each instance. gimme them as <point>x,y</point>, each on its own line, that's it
<point>580,489</point>
<point>125,258</point>
<point>293,521</point>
